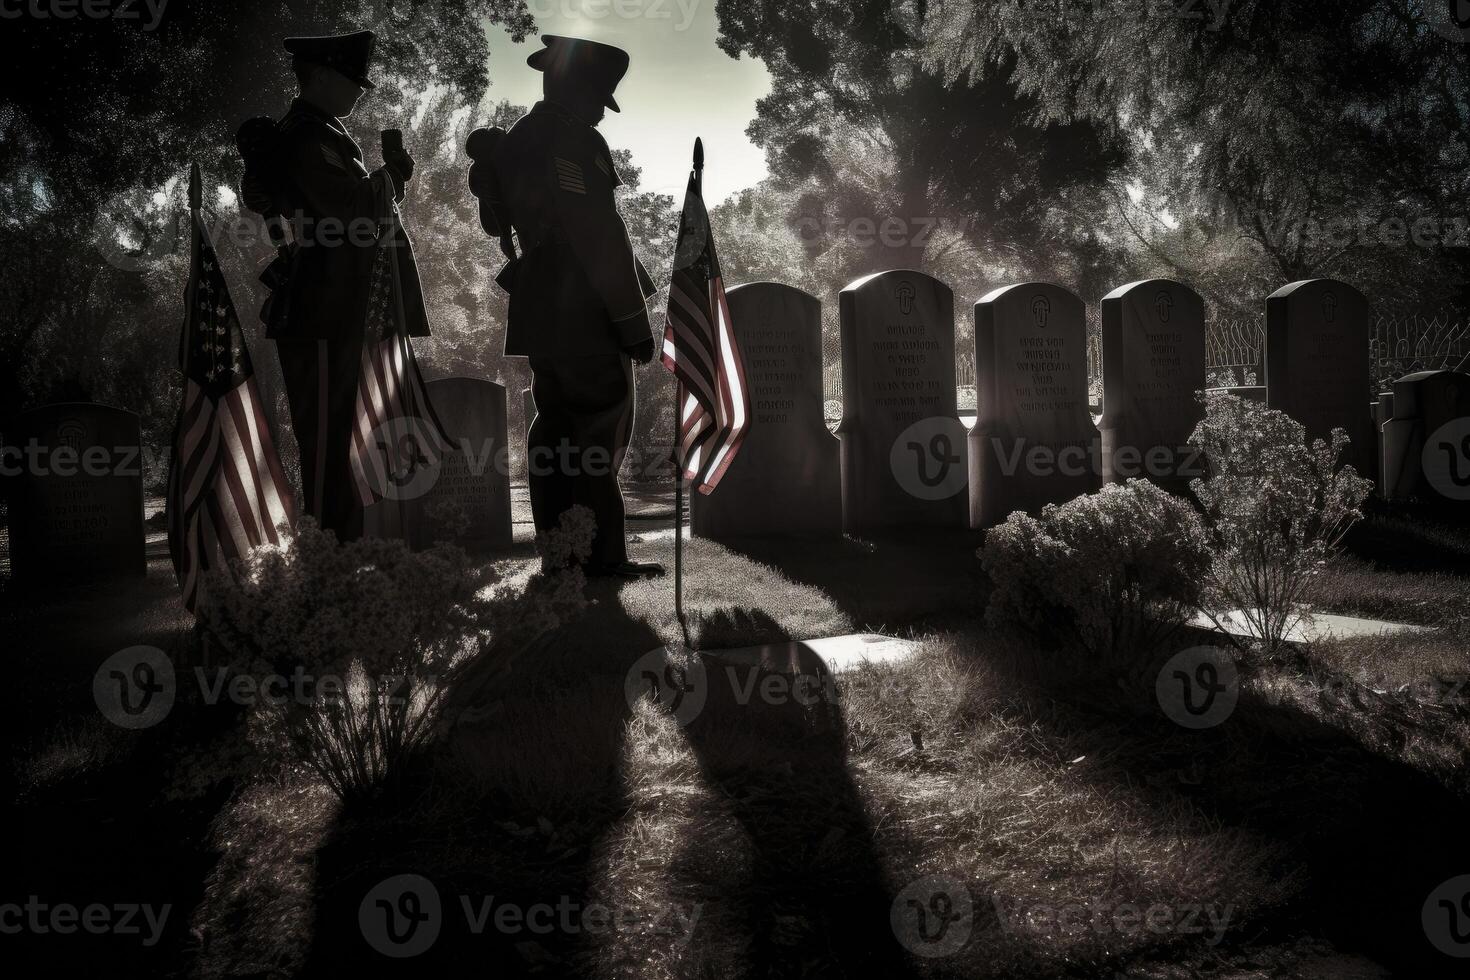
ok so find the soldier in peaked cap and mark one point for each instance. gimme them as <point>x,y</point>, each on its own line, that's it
<point>577,293</point>
<point>318,316</point>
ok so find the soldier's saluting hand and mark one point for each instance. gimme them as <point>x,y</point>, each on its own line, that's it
<point>577,293</point>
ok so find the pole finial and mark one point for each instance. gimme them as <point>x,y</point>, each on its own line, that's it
<point>196,189</point>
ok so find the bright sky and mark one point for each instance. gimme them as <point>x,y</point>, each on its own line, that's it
<point>679,86</point>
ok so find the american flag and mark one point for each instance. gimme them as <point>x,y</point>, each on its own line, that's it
<point>699,347</point>
<point>227,492</point>
<point>394,427</point>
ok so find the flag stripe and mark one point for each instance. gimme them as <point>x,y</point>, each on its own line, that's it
<point>700,349</point>
<point>227,489</point>
<point>390,393</point>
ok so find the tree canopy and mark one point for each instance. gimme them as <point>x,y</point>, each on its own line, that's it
<point>1273,139</point>
<point>869,130</point>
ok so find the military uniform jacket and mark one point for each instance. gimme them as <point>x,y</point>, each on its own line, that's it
<point>331,200</point>
<point>577,288</point>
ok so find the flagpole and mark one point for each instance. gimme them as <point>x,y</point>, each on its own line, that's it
<point>175,521</point>
<point>196,201</point>
<point>678,458</point>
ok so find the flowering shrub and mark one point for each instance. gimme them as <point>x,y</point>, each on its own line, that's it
<point>369,650</point>
<point>1276,506</point>
<point>1110,574</point>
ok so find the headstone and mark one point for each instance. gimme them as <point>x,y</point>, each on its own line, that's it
<point>1153,336</point>
<point>74,478</point>
<point>468,503</point>
<point>1034,441</point>
<point>1426,442</point>
<point>903,446</point>
<point>786,477</point>
<point>1317,334</point>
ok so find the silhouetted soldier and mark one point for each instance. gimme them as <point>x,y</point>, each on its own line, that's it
<point>312,171</point>
<point>577,294</point>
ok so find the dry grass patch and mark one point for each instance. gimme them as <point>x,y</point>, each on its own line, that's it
<point>1355,587</point>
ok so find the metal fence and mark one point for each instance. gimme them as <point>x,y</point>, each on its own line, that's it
<point>1403,345</point>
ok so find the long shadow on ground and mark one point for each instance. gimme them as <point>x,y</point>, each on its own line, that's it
<point>536,807</point>
<point>505,815</point>
<point>1374,836</point>
<point>812,898</point>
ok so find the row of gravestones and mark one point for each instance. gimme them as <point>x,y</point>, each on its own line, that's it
<point>72,478</point>
<point>902,458</point>
<point>73,474</point>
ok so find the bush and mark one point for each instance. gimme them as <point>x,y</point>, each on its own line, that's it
<point>370,650</point>
<point>1276,506</point>
<point>1110,575</point>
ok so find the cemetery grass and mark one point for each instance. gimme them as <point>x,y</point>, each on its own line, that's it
<point>973,762</point>
<point>791,841</point>
<point>791,832</point>
<point>1400,563</point>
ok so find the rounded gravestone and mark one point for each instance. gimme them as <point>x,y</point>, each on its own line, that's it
<point>902,443</point>
<point>1317,334</point>
<point>75,485</point>
<point>1153,336</point>
<point>1034,441</point>
<point>1426,441</point>
<point>785,480</point>
<point>469,502</point>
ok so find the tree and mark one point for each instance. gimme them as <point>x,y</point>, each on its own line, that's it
<point>896,163</point>
<point>1289,138</point>
<point>114,105</point>
<point>98,123</point>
